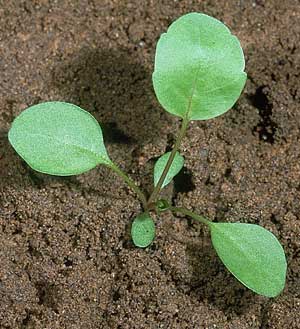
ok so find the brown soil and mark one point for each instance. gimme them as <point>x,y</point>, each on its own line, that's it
<point>65,254</point>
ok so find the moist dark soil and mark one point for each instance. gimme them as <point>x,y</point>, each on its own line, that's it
<point>66,258</point>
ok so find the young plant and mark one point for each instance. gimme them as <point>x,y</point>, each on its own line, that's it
<point>199,74</point>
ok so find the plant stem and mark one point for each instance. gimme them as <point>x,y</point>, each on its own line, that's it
<point>131,184</point>
<point>184,125</point>
<point>192,215</point>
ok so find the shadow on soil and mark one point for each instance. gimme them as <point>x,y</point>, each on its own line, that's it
<point>117,90</point>
<point>212,282</point>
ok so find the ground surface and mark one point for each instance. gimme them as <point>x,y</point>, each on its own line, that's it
<point>66,257</point>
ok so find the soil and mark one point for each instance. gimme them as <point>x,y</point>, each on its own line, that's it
<point>66,257</point>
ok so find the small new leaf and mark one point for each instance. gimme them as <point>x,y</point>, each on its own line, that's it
<point>199,68</point>
<point>160,164</point>
<point>58,138</point>
<point>143,230</point>
<point>252,254</point>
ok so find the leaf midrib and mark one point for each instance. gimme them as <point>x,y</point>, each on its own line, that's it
<point>94,154</point>
<point>187,115</point>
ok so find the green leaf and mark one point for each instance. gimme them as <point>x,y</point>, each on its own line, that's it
<point>252,254</point>
<point>160,164</point>
<point>58,138</point>
<point>143,230</point>
<point>199,68</point>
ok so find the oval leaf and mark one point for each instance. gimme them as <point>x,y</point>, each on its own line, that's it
<point>199,68</point>
<point>160,164</point>
<point>252,254</point>
<point>58,138</point>
<point>143,230</point>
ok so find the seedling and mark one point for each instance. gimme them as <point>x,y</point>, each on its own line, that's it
<point>199,75</point>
